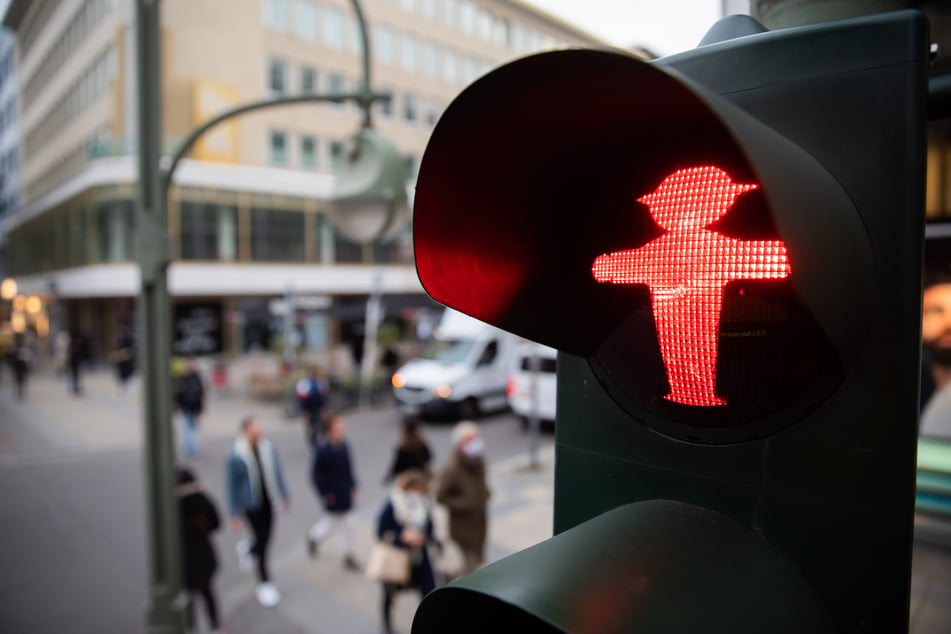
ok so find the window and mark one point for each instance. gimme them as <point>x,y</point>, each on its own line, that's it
<point>489,354</point>
<point>336,155</point>
<point>384,45</point>
<point>336,84</point>
<point>115,228</point>
<point>450,12</point>
<point>409,108</point>
<point>386,107</point>
<point>306,24</point>
<point>502,32</point>
<point>277,235</point>
<point>408,52</point>
<point>276,77</point>
<point>468,18</point>
<point>450,66</point>
<point>432,114</point>
<point>334,29</point>
<point>209,231</point>
<point>429,58</point>
<point>275,14</point>
<point>485,25</point>
<point>308,80</point>
<point>308,152</point>
<point>278,148</point>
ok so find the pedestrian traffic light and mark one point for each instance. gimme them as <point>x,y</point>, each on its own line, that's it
<point>725,247</point>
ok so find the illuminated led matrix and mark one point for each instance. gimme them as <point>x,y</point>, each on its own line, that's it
<point>687,270</point>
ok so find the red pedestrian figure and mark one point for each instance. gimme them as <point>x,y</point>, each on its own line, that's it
<point>687,270</point>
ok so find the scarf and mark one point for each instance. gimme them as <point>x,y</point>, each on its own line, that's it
<point>412,511</point>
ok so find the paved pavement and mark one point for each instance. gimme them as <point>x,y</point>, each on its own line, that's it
<point>54,432</point>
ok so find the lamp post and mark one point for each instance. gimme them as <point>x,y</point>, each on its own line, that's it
<point>166,602</point>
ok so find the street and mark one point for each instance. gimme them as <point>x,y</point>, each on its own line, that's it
<point>73,557</point>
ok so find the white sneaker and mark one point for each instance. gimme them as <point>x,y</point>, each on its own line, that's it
<point>245,560</point>
<point>267,595</point>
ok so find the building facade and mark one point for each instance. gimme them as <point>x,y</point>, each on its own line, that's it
<point>248,210</point>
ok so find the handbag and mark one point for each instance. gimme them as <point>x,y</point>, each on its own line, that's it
<point>388,563</point>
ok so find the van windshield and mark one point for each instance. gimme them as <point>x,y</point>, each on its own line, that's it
<point>448,350</point>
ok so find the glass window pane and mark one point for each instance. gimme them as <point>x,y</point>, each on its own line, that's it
<point>277,235</point>
<point>308,80</point>
<point>384,45</point>
<point>408,52</point>
<point>334,28</point>
<point>336,155</point>
<point>209,231</point>
<point>278,148</point>
<point>275,14</point>
<point>308,152</point>
<point>409,108</point>
<point>276,77</point>
<point>306,23</point>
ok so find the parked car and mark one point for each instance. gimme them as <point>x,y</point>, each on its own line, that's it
<point>462,372</point>
<point>521,383</point>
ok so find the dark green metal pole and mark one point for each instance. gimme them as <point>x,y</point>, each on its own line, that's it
<point>165,613</point>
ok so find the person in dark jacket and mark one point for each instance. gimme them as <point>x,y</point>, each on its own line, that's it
<point>411,453</point>
<point>312,392</point>
<point>406,522</point>
<point>190,396</point>
<point>199,519</point>
<point>336,486</point>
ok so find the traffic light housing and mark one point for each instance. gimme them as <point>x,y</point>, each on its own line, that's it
<point>725,245</point>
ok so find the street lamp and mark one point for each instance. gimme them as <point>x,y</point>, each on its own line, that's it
<point>370,194</point>
<point>371,174</point>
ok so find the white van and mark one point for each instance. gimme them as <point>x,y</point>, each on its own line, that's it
<point>521,383</point>
<point>463,371</point>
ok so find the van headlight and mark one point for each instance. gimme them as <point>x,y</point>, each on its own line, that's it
<point>444,391</point>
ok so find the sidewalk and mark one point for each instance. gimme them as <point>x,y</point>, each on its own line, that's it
<point>317,595</point>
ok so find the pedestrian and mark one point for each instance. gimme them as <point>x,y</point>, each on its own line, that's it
<point>22,362</point>
<point>78,351</point>
<point>935,399</point>
<point>312,392</point>
<point>406,522</point>
<point>255,481</point>
<point>463,490</point>
<point>199,519</point>
<point>124,358</point>
<point>190,396</point>
<point>336,486</point>
<point>391,360</point>
<point>411,453</point>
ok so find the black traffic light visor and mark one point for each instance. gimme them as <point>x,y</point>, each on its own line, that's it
<point>648,567</point>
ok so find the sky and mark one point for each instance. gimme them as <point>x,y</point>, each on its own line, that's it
<point>664,28</point>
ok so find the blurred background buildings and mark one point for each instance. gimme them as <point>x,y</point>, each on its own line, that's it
<point>247,213</point>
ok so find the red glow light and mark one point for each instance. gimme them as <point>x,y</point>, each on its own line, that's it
<point>687,270</point>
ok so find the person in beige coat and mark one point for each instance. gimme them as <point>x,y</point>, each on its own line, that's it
<point>464,492</point>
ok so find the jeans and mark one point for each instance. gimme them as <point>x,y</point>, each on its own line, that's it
<point>190,433</point>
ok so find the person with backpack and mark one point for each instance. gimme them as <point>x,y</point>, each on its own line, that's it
<point>190,396</point>
<point>312,392</point>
